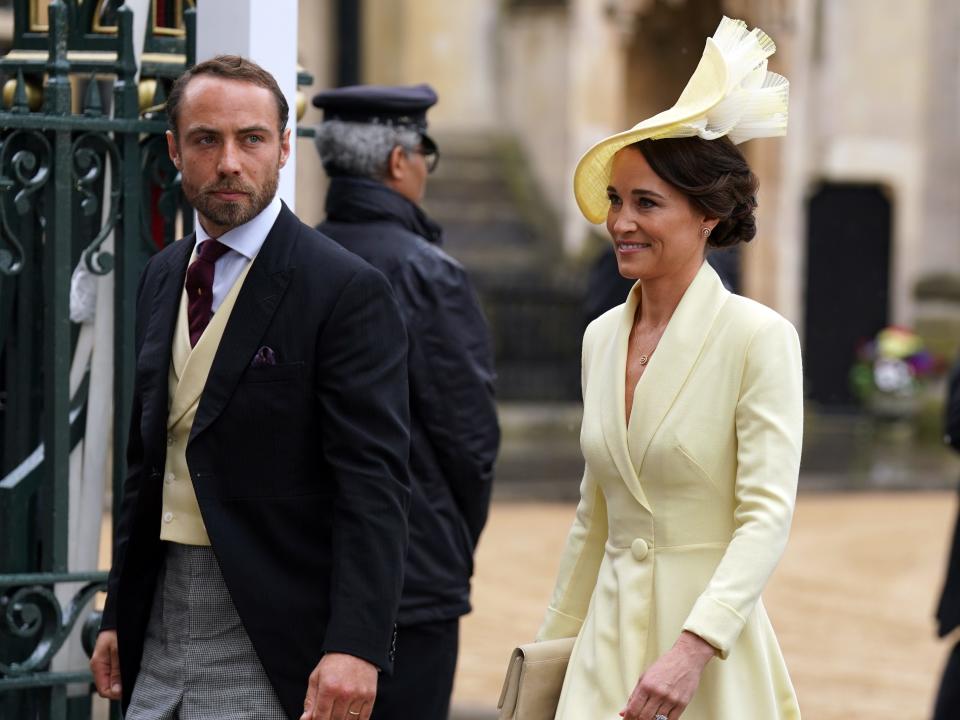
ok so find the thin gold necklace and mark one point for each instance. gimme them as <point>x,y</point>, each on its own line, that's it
<point>645,356</point>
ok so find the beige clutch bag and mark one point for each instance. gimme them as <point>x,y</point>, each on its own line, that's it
<point>531,690</point>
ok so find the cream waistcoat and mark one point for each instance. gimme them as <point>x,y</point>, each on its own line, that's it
<point>181,521</point>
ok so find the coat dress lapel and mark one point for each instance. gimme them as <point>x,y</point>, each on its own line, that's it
<point>614,427</point>
<point>265,284</point>
<point>671,364</point>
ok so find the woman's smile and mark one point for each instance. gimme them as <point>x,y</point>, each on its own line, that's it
<point>629,247</point>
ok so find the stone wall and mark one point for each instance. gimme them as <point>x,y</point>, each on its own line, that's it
<point>451,45</point>
<point>534,47</point>
<point>869,117</point>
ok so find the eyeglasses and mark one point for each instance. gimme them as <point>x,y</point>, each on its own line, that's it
<point>431,156</point>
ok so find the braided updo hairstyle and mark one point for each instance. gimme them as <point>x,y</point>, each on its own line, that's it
<point>715,176</point>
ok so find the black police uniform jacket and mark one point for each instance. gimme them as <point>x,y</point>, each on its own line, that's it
<point>948,611</point>
<point>453,421</point>
<point>300,467</point>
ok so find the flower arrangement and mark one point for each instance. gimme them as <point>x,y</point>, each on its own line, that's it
<point>891,371</point>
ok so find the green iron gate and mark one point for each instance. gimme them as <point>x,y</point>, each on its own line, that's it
<point>71,174</point>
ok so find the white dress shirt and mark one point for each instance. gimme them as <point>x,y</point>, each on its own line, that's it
<point>244,242</point>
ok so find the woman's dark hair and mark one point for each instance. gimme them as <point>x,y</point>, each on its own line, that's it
<point>715,176</point>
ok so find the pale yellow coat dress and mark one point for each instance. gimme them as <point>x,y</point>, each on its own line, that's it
<point>684,513</point>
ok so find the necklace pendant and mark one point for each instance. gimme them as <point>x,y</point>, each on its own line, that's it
<point>644,359</point>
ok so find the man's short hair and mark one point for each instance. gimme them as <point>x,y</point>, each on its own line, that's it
<point>361,149</point>
<point>229,67</point>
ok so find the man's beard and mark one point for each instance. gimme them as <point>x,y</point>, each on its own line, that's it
<point>231,214</point>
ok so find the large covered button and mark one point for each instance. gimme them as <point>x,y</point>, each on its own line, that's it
<point>639,548</point>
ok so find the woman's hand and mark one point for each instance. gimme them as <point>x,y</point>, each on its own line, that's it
<point>667,686</point>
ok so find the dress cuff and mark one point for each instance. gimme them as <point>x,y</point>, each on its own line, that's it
<point>716,622</point>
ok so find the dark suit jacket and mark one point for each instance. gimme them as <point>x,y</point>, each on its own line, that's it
<point>948,612</point>
<point>300,468</point>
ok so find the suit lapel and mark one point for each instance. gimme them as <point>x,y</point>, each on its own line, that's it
<point>675,357</point>
<point>256,303</point>
<point>154,359</point>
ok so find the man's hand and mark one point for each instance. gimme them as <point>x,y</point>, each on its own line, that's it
<point>341,687</point>
<point>105,665</point>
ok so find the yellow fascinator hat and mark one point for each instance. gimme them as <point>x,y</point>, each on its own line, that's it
<point>730,93</point>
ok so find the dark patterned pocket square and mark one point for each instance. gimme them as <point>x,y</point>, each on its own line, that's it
<point>265,356</point>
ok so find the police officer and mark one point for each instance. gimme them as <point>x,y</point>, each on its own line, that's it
<point>374,146</point>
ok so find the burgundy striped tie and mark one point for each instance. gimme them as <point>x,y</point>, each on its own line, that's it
<point>199,287</point>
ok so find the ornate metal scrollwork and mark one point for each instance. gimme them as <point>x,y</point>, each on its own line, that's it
<point>33,612</point>
<point>161,194</point>
<point>88,153</point>
<point>25,157</point>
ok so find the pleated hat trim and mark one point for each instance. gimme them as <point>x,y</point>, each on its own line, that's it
<point>731,93</point>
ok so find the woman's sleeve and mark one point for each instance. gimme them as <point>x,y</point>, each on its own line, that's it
<point>769,425</point>
<point>580,560</point>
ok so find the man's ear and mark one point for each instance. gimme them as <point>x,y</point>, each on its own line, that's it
<point>173,149</point>
<point>285,146</point>
<point>396,163</point>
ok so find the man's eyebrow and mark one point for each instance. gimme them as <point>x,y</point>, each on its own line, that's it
<point>202,129</point>
<point>206,130</point>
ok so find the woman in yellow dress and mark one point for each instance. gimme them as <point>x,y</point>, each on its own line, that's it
<point>692,423</point>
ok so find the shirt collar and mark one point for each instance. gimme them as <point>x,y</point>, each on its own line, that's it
<point>246,239</point>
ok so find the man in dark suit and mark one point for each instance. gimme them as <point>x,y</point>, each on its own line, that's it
<point>374,145</point>
<point>259,549</point>
<point>948,613</point>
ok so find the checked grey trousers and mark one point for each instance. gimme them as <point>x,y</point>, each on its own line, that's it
<point>198,662</point>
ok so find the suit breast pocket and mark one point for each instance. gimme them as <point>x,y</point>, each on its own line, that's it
<point>283,372</point>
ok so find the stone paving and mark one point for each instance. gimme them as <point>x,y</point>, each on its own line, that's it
<point>852,601</point>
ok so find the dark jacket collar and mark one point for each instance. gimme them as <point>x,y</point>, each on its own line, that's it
<point>354,200</point>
